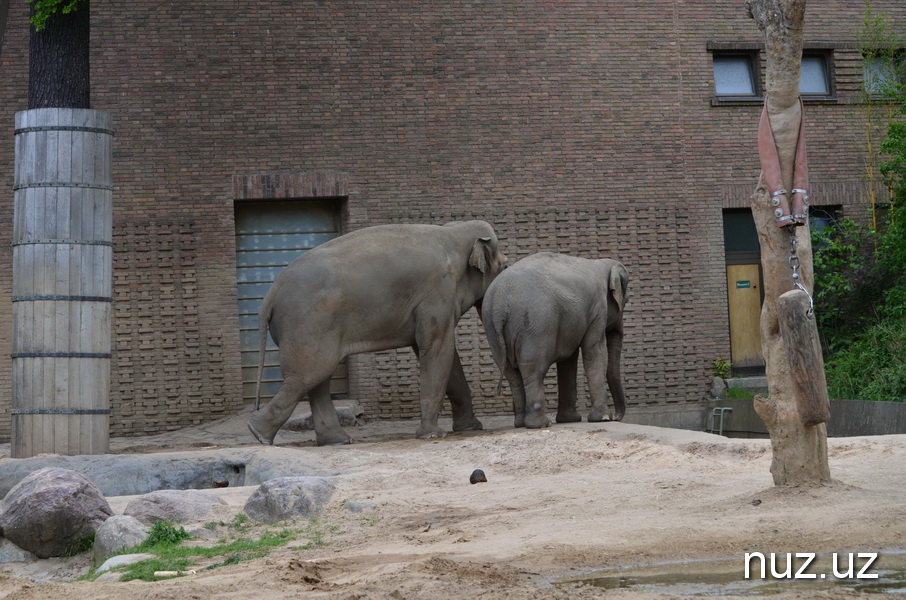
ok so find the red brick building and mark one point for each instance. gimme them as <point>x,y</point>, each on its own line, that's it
<point>617,129</point>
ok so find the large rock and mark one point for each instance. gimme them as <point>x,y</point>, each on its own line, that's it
<point>118,533</point>
<point>52,511</point>
<point>289,498</point>
<point>176,506</point>
<point>134,474</point>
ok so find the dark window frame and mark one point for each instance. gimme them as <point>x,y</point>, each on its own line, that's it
<point>755,49</point>
<point>827,58</point>
<point>754,62</point>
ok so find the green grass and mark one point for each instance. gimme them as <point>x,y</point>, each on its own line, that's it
<point>165,541</point>
<point>734,393</point>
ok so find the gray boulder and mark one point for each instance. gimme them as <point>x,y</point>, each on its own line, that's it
<point>176,506</point>
<point>118,533</point>
<point>10,553</point>
<point>52,511</point>
<point>289,498</point>
<point>134,474</point>
<point>718,387</point>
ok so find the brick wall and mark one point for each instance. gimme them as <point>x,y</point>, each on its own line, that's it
<point>583,127</point>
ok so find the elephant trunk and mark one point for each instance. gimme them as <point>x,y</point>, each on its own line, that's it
<point>614,381</point>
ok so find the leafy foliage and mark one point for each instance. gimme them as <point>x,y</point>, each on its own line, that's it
<point>721,367</point>
<point>844,266</point>
<point>45,9</point>
<point>864,284</point>
<point>871,367</point>
<point>164,533</point>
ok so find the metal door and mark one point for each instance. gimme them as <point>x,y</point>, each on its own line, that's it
<point>269,235</point>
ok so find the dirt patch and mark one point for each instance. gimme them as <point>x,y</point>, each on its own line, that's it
<point>560,502</point>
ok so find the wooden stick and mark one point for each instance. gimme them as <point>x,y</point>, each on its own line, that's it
<point>800,337</point>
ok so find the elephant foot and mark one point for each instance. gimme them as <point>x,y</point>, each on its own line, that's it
<point>537,422</point>
<point>259,436</point>
<point>598,417</point>
<point>429,432</point>
<point>467,424</point>
<point>570,417</point>
<point>333,439</point>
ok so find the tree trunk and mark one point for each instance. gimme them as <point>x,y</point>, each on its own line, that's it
<point>4,12</point>
<point>799,450</point>
<point>58,62</point>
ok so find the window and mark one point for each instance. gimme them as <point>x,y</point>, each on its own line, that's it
<point>734,74</point>
<point>823,218</point>
<point>814,78</point>
<point>880,73</point>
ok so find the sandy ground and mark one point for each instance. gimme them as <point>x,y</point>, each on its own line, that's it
<point>559,503</point>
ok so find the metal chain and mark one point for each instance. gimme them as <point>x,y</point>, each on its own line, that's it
<point>794,265</point>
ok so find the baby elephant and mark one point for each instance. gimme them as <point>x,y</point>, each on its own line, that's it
<point>541,311</point>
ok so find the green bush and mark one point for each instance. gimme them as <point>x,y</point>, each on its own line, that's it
<point>871,367</point>
<point>164,533</point>
<point>861,295</point>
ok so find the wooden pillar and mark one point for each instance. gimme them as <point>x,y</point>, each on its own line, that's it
<point>62,282</point>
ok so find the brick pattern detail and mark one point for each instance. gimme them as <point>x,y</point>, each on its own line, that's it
<point>290,185</point>
<point>168,368</point>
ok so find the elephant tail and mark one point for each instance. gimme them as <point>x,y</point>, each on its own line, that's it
<point>494,330</point>
<point>264,320</point>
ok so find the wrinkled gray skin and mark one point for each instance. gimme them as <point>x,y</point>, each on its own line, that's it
<point>377,288</point>
<point>541,311</point>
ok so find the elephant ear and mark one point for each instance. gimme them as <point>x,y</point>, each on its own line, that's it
<point>619,281</point>
<point>479,257</point>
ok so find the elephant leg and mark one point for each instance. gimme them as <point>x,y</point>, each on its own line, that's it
<point>265,423</point>
<point>517,389</point>
<point>328,431</point>
<point>595,362</point>
<point>436,350</point>
<point>536,403</point>
<point>567,394</point>
<point>461,398</point>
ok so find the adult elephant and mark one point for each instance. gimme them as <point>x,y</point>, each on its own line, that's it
<point>377,288</point>
<point>543,310</point>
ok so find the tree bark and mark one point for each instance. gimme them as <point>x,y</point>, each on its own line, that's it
<point>59,73</point>
<point>799,450</point>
